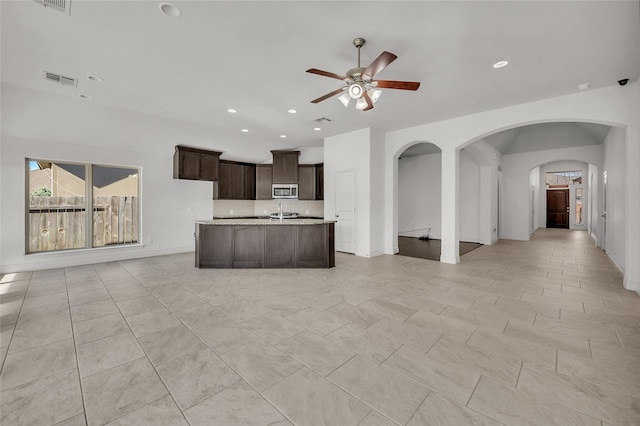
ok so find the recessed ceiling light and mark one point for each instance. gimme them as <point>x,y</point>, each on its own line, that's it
<point>83,96</point>
<point>500,64</point>
<point>283,136</point>
<point>232,111</point>
<point>317,129</point>
<point>244,130</point>
<point>584,86</point>
<point>292,111</point>
<point>170,10</point>
<point>95,78</point>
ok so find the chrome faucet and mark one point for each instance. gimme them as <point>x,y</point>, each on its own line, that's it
<point>280,210</point>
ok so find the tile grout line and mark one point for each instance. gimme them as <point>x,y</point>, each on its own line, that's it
<point>519,373</point>
<point>473,391</point>
<point>75,351</point>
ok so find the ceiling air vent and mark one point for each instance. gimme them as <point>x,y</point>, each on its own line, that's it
<point>61,79</point>
<point>61,5</point>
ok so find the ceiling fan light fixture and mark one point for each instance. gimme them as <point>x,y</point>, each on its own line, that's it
<point>356,91</point>
<point>345,99</point>
<point>374,94</point>
<point>361,103</point>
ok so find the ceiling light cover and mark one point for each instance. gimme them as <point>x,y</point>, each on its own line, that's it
<point>232,111</point>
<point>374,94</point>
<point>345,99</point>
<point>292,111</point>
<point>170,10</point>
<point>244,130</point>
<point>500,64</point>
<point>584,86</point>
<point>283,136</point>
<point>317,129</point>
<point>361,103</point>
<point>356,91</point>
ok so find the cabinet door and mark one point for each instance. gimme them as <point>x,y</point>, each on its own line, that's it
<point>224,185</point>
<point>306,182</point>
<point>285,168</point>
<point>263,181</point>
<point>249,182</point>
<point>237,182</point>
<point>189,165</point>
<point>311,246</point>
<point>209,167</point>
<point>280,246</point>
<point>319,182</point>
<point>214,245</point>
<point>248,246</point>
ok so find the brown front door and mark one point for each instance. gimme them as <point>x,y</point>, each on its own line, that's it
<point>558,208</point>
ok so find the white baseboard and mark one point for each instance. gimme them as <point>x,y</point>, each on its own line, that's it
<point>515,237</point>
<point>616,262</point>
<point>454,260</point>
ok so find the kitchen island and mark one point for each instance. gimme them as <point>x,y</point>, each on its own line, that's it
<point>265,243</point>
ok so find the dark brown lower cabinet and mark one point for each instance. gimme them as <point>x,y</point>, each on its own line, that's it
<point>214,246</point>
<point>248,246</point>
<point>280,246</point>
<point>265,246</point>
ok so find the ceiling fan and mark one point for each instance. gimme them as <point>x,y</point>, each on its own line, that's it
<point>360,84</point>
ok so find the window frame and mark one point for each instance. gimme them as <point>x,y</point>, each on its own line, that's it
<point>88,207</point>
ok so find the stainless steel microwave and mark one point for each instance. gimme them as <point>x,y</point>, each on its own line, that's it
<point>284,190</point>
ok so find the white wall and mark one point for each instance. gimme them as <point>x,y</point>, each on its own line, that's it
<point>376,193</point>
<point>561,166</point>
<point>594,222</point>
<point>615,188</point>
<point>350,151</point>
<point>419,196</point>
<point>168,206</point>
<point>515,221</point>
<point>419,186</point>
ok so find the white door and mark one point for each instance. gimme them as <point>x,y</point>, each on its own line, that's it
<point>345,211</point>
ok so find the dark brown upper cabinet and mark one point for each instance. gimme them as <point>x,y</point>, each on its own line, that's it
<point>285,166</point>
<point>264,180</point>
<point>306,182</point>
<point>195,164</point>
<point>320,181</point>
<point>237,181</point>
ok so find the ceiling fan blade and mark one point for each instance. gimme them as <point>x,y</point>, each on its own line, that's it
<point>328,95</point>
<point>369,101</point>
<point>380,63</point>
<point>325,73</point>
<point>392,84</point>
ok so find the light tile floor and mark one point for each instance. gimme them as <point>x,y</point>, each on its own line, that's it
<point>520,333</point>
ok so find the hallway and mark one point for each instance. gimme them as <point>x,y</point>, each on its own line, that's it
<point>519,333</point>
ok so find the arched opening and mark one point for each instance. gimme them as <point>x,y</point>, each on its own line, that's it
<point>419,201</point>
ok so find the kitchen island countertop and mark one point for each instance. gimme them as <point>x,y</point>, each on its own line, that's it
<point>261,221</point>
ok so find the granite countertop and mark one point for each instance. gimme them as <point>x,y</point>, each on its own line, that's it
<point>264,221</point>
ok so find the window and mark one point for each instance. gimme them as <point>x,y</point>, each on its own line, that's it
<point>578,206</point>
<point>563,178</point>
<point>60,195</point>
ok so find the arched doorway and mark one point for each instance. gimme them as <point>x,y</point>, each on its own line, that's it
<point>419,206</point>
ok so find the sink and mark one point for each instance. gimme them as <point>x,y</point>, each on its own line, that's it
<point>285,215</point>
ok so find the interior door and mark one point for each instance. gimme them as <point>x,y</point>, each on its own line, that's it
<point>558,208</point>
<point>345,211</point>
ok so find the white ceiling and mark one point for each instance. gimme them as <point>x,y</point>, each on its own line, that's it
<point>169,81</point>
